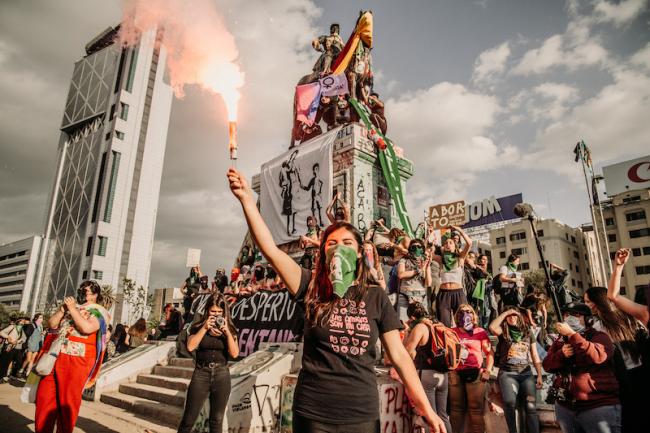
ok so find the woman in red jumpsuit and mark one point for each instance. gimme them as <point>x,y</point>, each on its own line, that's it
<point>80,327</point>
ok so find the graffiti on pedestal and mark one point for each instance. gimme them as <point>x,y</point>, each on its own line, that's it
<point>395,412</point>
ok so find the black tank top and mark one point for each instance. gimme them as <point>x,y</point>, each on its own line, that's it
<point>423,354</point>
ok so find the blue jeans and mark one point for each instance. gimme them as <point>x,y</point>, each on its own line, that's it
<point>515,388</point>
<point>436,387</point>
<point>604,419</point>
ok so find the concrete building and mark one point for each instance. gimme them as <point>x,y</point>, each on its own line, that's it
<point>598,273</point>
<point>18,265</point>
<point>626,224</point>
<point>102,214</point>
<point>563,245</point>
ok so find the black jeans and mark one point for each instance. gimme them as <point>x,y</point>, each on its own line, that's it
<point>516,388</point>
<point>213,382</point>
<point>14,356</point>
<point>301,424</point>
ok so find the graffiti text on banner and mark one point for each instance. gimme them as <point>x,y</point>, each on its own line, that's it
<point>266,317</point>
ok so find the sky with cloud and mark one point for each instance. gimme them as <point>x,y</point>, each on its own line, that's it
<point>488,97</point>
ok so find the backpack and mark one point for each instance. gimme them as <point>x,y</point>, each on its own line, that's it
<point>445,348</point>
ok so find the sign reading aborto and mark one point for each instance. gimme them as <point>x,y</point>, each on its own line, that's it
<point>448,214</point>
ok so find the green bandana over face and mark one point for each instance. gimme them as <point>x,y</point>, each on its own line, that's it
<point>511,266</point>
<point>342,263</point>
<point>449,260</point>
<point>515,333</point>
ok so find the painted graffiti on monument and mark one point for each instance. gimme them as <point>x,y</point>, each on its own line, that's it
<point>395,412</point>
<point>266,317</point>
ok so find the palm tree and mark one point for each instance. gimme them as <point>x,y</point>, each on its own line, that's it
<point>108,296</point>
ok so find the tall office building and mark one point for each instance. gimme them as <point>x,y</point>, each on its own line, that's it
<point>18,264</point>
<point>102,215</point>
<point>563,245</point>
<point>626,222</point>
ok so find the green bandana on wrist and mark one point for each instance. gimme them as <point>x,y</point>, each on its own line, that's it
<point>342,263</point>
<point>449,261</point>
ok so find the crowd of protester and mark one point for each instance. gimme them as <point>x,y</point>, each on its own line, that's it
<point>459,337</point>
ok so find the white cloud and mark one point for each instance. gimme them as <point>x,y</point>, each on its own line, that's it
<point>446,130</point>
<point>642,57</point>
<point>546,101</point>
<point>613,123</point>
<point>491,63</point>
<point>619,14</point>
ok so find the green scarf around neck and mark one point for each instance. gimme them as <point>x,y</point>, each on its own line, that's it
<point>449,261</point>
<point>515,333</point>
<point>511,266</point>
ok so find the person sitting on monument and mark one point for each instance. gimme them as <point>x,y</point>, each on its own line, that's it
<point>309,243</point>
<point>515,351</point>
<point>378,235</point>
<point>451,263</point>
<point>339,214</point>
<point>377,116</point>
<point>512,282</point>
<point>173,322</point>
<point>337,366</point>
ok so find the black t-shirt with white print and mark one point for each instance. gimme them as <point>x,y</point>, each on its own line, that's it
<point>337,383</point>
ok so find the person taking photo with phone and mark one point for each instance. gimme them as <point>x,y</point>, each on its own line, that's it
<point>214,338</point>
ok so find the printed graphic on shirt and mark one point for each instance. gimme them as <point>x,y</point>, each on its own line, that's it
<point>349,328</point>
<point>518,353</point>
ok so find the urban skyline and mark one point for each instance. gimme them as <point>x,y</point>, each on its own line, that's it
<point>502,92</point>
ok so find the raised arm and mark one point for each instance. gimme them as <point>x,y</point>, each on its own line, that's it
<point>638,311</point>
<point>329,210</point>
<point>284,265</point>
<point>468,242</point>
<point>495,326</point>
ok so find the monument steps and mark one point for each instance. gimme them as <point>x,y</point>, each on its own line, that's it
<point>159,395</point>
<point>178,384</point>
<point>155,393</point>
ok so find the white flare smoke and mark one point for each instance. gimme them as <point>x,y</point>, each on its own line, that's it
<point>200,49</point>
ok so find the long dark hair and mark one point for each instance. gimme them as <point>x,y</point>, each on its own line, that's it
<point>619,325</point>
<point>521,324</point>
<point>215,300</point>
<point>139,328</point>
<point>320,297</point>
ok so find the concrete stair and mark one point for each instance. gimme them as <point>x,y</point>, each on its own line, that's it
<point>159,395</point>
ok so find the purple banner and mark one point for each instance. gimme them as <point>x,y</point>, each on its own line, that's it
<point>491,210</point>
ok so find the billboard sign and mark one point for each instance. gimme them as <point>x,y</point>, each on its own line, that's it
<point>491,210</point>
<point>627,176</point>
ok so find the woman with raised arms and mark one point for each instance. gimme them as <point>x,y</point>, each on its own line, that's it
<point>345,315</point>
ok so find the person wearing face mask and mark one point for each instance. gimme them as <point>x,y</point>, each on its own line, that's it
<point>451,262</point>
<point>77,330</point>
<point>512,282</point>
<point>515,350</point>
<point>467,383</point>
<point>582,359</point>
<point>12,352</point>
<point>34,344</point>
<point>213,339</point>
<point>414,274</point>
<point>346,313</point>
